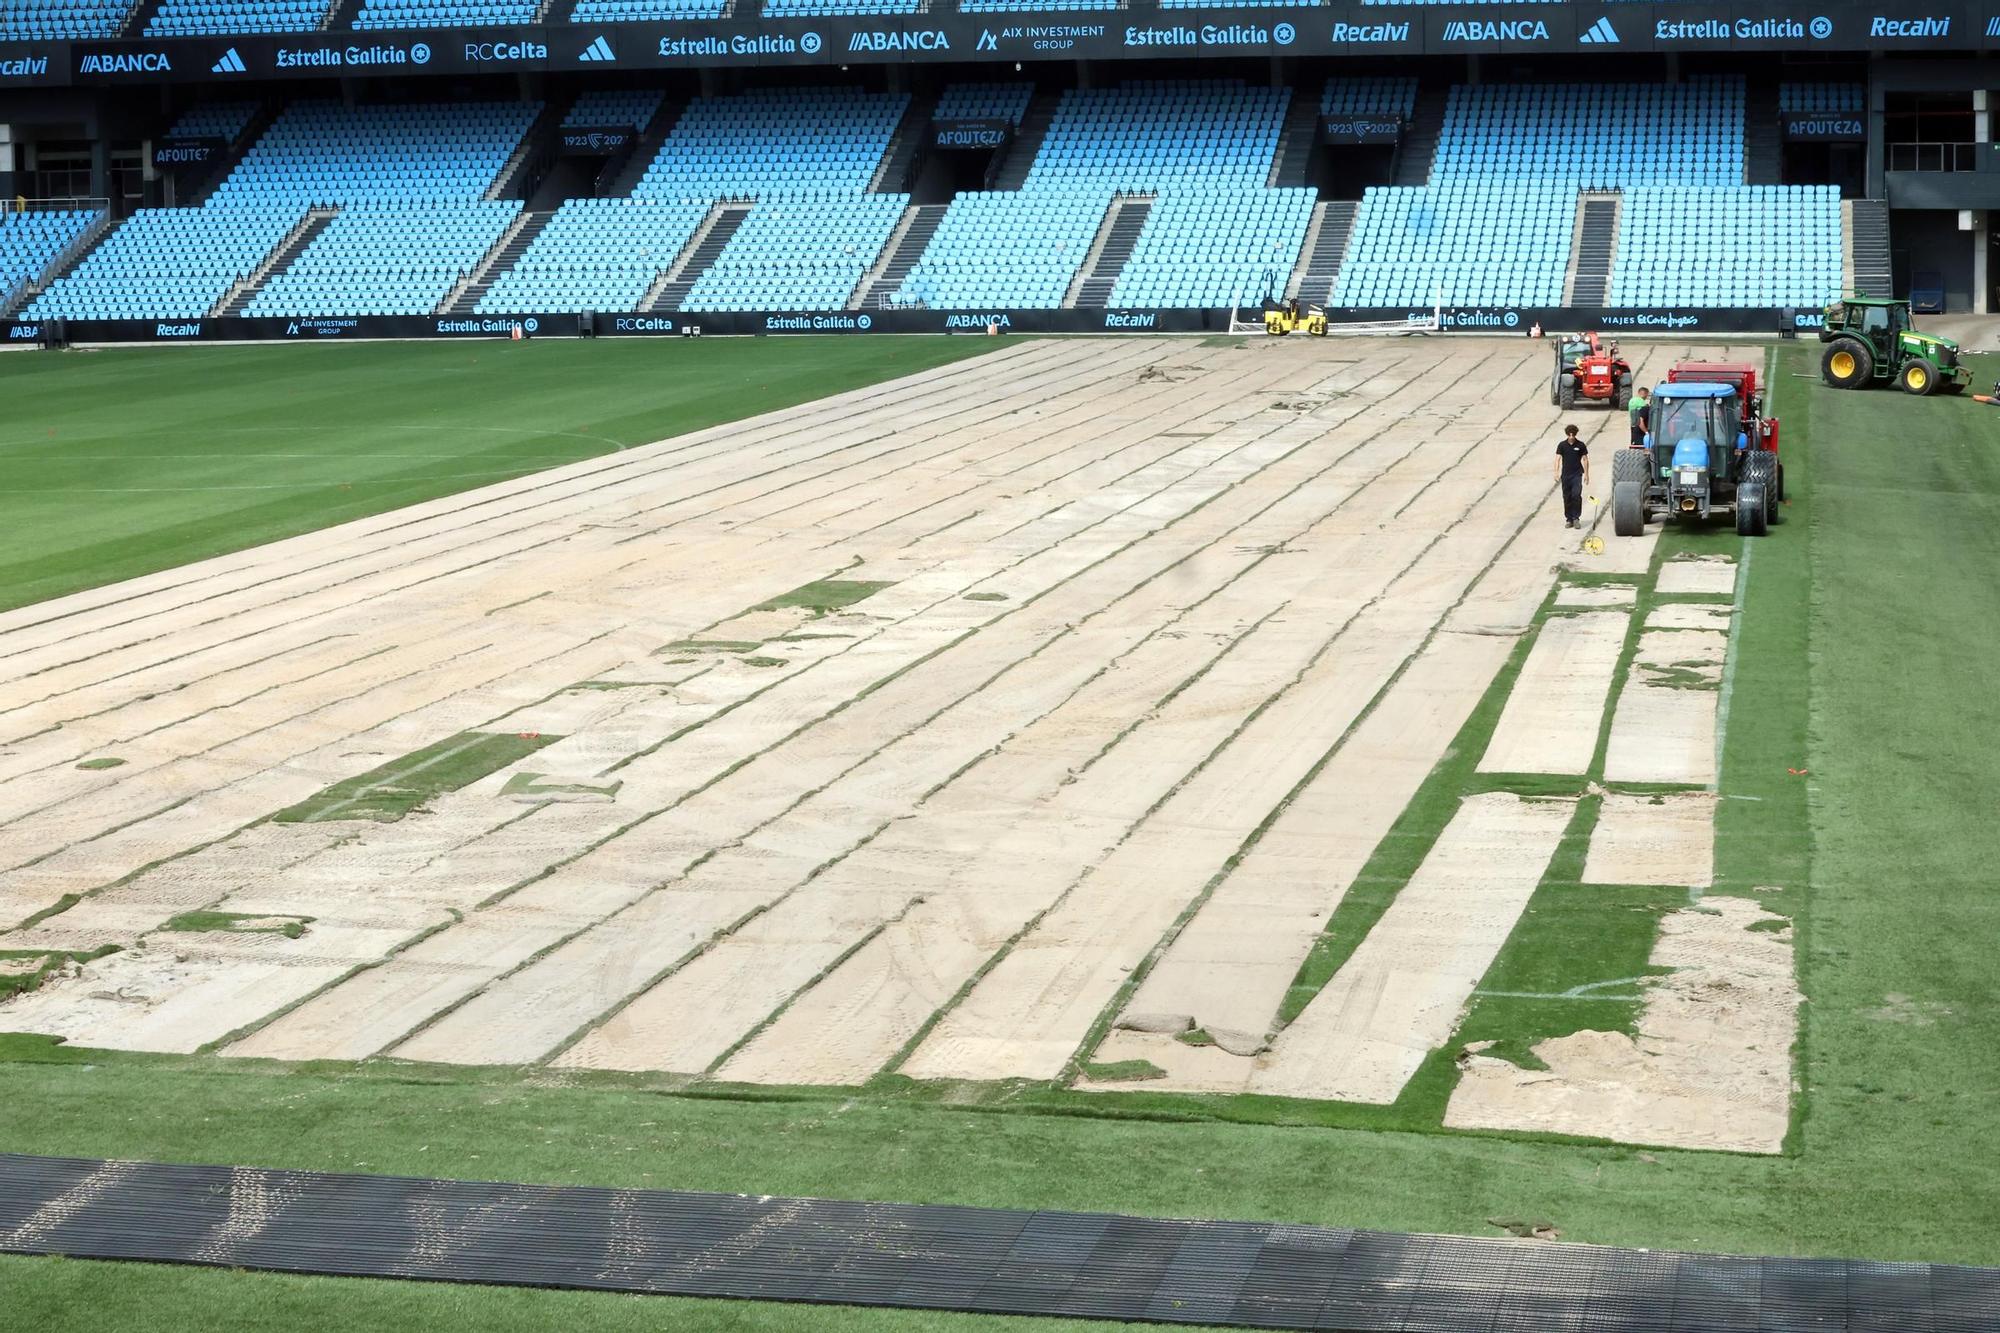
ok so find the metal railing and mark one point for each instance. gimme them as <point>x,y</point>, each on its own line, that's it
<point>1934,156</point>
<point>66,204</point>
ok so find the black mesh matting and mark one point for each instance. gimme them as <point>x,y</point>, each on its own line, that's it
<point>1093,1265</point>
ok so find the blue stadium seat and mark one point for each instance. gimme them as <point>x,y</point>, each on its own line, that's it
<point>984,101</point>
<point>1214,234</point>
<point>62,19</point>
<point>1747,245</point>
<point>217,120</point>
<point>408,180</point>
<point>614,106</point>
<point>1821,98</point>
<point>185,18</point>
<point>645,11</point>
<point>31,240</point>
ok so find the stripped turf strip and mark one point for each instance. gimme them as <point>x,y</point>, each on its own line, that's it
<point>388,793</point>
<point>926,1257</point>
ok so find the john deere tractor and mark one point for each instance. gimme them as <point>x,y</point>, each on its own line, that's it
<point>1872,342</point>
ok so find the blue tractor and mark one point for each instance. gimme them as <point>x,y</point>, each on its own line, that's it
<point>1710,452</point>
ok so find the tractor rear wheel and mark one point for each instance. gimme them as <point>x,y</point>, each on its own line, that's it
<point>1628,509</point>
<point>1918,377</point>
<point>1566,394</point>
<point>1750,519</point>
<point>1760,470</point>
<point>1633,465</point>
<point>1847,364</point>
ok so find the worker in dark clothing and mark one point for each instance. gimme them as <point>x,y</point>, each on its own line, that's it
<point>1641,410</point>
<point>1572,471</point>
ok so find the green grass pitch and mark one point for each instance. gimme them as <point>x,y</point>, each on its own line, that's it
<point>1858,760</point>
<point>119,462</point>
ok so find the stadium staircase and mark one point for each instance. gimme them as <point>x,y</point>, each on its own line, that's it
<point>622,180</point>
<point>281,258</point>
<point>1098,274</point>
<point>906,145</point>
<point>1593,248</point>
<point>906,246</point>
<point>61,266</point>
<point>1418,150</point>
<point>531,157</point>
<point>232,157</point>
<point>1296,142</point>
<point>1012,173</point>
<point>340,18</point>
<point>1869,271</point>
<point>141,14</point>
<point>513,243</point>
<point>1763,150</point>
<point>703,248</point>
<point>1326,246</point>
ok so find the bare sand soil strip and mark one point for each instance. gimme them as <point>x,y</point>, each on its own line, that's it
<point>1710,1066</point>
<point>755,971</point>
<point>1228,970</point>
<point>1554,712</point>
<point>1710,575</point>
<point>1139,597</point>
<point>1667,839</point>
<point>766,785</point>
<point>1399,996</point>
<point>1596,595</point>
<point>1663,729</point>
<point>1036,1005</point>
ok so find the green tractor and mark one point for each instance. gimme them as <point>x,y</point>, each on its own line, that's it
<point>1870,341</point>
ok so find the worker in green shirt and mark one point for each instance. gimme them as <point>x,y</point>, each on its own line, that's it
<point>1641,409</point>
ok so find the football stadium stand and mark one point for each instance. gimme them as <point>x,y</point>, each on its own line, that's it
<point>984,101</point>
<point>1031,6</point>
<point>1199,152</point>
<point>1369,97</point>
<point>397,258</point>
<point>31,240</point>
<point>614,106</point>
<point>798,254</point>
<point>1807,98</point>
<point>1463,242</point>
<point>641,11</point>
<point>320,152</point>
<point>179,263</point>
<point>1494,225</point>
<point>444,13</point>
<point>1756,245</point>
<point>769,144</point>
<point>1152,193</point>
<point>1595,136</point>
<point>220,120</point>
<point>596,254</point>
<point>820,8</point>
<point>166,263</point>
<point>186,18</point>
<point>59,19</point>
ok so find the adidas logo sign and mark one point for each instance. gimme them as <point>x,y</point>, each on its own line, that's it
<point>598,50</point>
<point>1600,33</point>
<point>1993,27</point>
<point>231,63</point>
